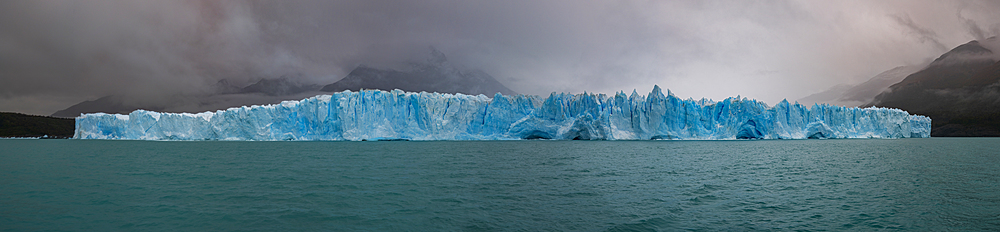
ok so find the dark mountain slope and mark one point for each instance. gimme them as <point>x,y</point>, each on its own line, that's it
<point>959,91</point>
<point>23,125</point>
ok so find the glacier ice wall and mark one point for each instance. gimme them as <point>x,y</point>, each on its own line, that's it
<point>398,115</point>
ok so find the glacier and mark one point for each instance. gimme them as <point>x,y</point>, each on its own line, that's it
<point>399,115</point>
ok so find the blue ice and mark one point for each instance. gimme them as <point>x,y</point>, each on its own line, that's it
<point>398,115</point>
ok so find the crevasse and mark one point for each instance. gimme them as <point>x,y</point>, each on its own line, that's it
<point>398,115</point>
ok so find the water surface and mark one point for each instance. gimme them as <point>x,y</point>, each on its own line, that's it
<point>901,184</point>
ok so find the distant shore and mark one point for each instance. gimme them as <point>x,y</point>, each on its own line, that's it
<point>18,125</point>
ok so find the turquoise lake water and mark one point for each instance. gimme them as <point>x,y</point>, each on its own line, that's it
<point>930,184</point>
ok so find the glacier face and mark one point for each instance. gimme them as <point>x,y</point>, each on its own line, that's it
<point>398,115</point>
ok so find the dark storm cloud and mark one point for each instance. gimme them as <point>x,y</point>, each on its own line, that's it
<point>55,54</point>
<point>144,49</point>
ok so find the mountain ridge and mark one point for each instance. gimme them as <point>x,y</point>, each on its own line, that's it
<point>862,93</point>
<point>435,74</point>
<point>960,91</point>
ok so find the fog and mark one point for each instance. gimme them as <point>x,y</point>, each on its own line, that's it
<point>54,54</point>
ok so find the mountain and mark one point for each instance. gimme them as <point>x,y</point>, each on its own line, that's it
<point>264,91</point>
<point>23,125</point>
<point>107,104</point>
<point>281,86</point>
<point>434,75</point>
<point>959,90</point>
<point>856,95</point>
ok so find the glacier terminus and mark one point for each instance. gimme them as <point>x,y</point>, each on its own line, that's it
<point>399,115</point>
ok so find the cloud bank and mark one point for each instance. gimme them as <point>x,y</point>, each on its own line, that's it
<point>56,54</point>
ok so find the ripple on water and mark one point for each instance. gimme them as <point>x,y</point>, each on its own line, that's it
<point>905,184</point>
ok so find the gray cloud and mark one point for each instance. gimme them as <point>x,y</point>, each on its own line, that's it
<point>924,34</point>
<point>55,54</point>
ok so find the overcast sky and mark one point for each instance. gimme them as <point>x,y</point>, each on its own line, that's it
<point>54,54</point>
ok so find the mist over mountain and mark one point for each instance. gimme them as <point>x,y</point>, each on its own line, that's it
<point>282,86</point>
<point>106,104</point>
<point>865,92</point>
<point>434,75</point>
<point>959,90</point>
<point>226,95</point>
